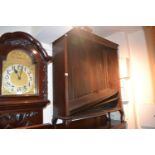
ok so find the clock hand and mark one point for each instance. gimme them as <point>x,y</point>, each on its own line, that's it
<point>21,71</point>
<point>16,72</point>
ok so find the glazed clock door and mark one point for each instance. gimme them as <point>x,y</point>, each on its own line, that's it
<point>18,74</point>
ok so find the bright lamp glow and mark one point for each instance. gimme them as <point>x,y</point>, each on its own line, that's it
<point>124,67</point>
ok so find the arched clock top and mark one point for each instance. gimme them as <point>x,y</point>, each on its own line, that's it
<point>20,55</point>
<point>25,41</point>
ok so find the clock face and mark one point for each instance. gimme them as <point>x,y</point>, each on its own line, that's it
<point>18,79</point>
<point>18,74</point>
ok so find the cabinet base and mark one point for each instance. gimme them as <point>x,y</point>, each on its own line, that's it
<point>101,122</point>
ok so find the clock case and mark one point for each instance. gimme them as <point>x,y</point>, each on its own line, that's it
<point>24,110</point>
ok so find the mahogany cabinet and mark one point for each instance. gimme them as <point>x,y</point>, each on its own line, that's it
<point>85,77</point>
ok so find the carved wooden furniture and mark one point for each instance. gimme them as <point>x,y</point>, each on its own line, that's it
<point>85,77</point>
<point>149,32</point>
<point>92,123</point>
<point>23,80</point>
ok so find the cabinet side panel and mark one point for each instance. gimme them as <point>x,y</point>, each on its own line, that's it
<point>113,70</point>
<point>58,78</point>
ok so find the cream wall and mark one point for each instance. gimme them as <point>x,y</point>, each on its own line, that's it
<point>139,85</point>
<point>140,68</point>
<point>141,72</point>
<point>121,38</point>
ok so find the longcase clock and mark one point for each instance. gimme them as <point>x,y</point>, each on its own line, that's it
<point>23,80</point>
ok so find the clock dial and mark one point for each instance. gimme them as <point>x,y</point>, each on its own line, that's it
<point>18,74</point>
<point>18,79</point>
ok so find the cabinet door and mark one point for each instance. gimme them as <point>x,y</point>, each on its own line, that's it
<point>87,68</point>
<point>113,72</point>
